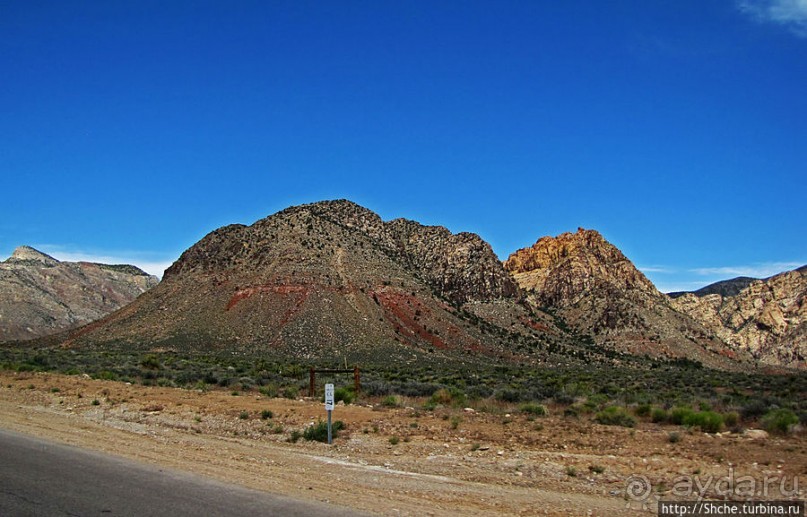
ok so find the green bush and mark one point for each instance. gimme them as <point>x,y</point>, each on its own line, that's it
<point>731,419</point>
<point>532,408</point>
<point>270,390</point>
<point>615,415</point>
<point>447,397</point>
<point>508,395</point>
<point>678,415</point>
<point>643,410</point>
<point>754,409</point>
<point>391,401</point>
<point>319,431</point>
<point>707,421</point>
<point>659,415</point>
<point>779,421</point>
<point>343,394</point>
<point>266,414</point>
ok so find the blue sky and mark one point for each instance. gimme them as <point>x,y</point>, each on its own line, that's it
<point>678,129</point>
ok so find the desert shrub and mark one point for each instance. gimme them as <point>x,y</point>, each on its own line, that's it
<point>508,395</point>
<point>572,411</point>
<point>270,390</point>
<point>150,362</point>
<point>376,388</point>
<point>394,440</point>
<point>754,409</point>
<point>779,421</point>
<point>343,394</point>
<point>564,398</point>
<point>674,437</point>
<point>319,431</point>
<point>391,401</point>
<point>731,419</point>
<point>295,436</point>
<point>615,415</point>
<point>448,397</point>
<point>246,383</point>
<point>596,402</point>
<point>643,410</point>
<point>417,389</point>
<point>658,415</point>
<point>532,408</point>
<point>244,415</point>
<point>106,375</point>
<point>678,415</point>
<point>455,422</point>
<point>596,469</point>
<point>479,392</point>
<point>266,414</point>
<point>707,421</point>
<point>291,392</point>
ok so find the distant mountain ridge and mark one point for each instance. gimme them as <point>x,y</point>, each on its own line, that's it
<point>730,287</point>
<point>40,295</point>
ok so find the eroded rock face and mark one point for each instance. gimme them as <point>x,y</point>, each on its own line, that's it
<point>40,295</point>
<point>767,318</point>
<point>592,285</point>
<point>560,271</point>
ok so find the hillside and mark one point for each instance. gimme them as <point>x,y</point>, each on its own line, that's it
<point>332,280</point>
<point>767,318</point>
<point>40,295</point>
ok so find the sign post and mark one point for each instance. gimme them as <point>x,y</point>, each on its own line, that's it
<point>329,409</point>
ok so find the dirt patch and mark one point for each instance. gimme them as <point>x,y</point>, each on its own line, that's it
<point>403,461</point>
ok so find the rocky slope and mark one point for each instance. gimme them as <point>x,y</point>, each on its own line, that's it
<point>768,317</point>
<point>331,279</point>
<point>40,295</point>
<point>597,291</point>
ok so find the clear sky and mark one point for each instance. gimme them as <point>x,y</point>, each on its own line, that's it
<point>677,128</point>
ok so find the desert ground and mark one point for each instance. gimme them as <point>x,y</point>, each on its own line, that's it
<point>481,460</point>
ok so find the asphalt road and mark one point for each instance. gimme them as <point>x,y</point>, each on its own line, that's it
<point>40,478</point>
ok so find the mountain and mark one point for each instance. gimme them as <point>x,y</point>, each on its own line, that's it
<point>768,318</point>
<point>332,280</point>
<point>729,287</point>
<point>597,291</point>
<point>40,295</point>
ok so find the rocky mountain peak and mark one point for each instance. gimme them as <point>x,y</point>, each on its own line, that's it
<point>459,267</point>
<point>29,254</point>
<point>589,283</point>
<point>563,268</point>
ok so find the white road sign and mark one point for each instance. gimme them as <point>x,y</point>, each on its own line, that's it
<point>329,397</point>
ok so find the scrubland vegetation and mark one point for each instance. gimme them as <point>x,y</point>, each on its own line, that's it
<point>680,394</point>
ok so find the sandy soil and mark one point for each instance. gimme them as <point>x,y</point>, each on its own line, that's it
<point>446,462</point>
